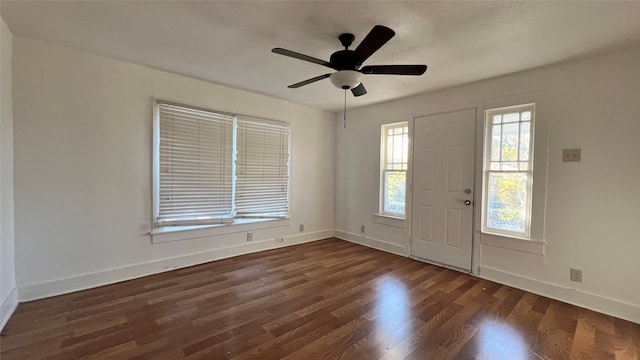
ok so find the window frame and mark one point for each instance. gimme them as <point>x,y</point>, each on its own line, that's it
<point>488,128</point>
<point>233,220</point>
<point>384,170</point>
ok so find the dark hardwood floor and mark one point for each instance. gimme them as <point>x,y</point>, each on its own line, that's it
<point>328,299</point>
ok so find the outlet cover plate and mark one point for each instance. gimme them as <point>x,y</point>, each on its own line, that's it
<point>576,275</point>
<point>570,155</point>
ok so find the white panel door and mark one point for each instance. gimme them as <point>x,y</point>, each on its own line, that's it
<point>442,203</point>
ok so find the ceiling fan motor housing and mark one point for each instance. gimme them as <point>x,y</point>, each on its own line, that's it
<point>345,60</point>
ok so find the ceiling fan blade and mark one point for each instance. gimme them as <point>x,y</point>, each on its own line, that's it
<point>377,37</point>
<point>359,90</point>
<point>394,69</point>
<point>299,56</point>
<point>309,81</point>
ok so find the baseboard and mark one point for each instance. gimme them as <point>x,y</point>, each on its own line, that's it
<point>606,305</point>
<point>91,280</point>
<point>8,306</point>
<point>372,242</point>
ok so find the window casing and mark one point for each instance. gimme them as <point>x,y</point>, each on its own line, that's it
<point>394,157</point>
<point>212,168</point>
<point>508,171</point>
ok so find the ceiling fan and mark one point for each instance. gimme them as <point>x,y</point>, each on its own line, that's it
<point>348,62</point>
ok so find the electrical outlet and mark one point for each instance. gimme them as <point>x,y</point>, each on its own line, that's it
<point>301,227</point>
<point>570,155</point>
<point>361,228</point>
<point>279,239</point>
<point>576,275</point>
<point>249,236</point>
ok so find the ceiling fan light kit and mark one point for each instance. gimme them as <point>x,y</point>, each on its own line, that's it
<point>346,79</point>
<point>347,63</point>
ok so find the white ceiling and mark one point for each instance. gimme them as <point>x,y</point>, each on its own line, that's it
<point>230,42</point>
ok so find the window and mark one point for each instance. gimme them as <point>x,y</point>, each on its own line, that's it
<point>212,168</point>
<point>394,161</point>
<point>508,170</point>
<point>262,169</point>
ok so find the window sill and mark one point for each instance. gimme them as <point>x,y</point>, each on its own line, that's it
<point>513,243</point>
<point>173,233</point>
<point>388,220</point>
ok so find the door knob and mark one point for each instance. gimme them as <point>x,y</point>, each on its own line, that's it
<point>467,202</point>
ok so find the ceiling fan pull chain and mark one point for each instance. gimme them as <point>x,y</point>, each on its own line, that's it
<point>344,113</point>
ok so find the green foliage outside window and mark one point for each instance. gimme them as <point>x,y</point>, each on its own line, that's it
<point>395,186</point>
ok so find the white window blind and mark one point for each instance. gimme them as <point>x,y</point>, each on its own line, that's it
<point>195,166</point>
<point>262,168</point>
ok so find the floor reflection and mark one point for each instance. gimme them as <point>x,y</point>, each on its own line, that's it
<point>392,314</point>
<point>500,341</point>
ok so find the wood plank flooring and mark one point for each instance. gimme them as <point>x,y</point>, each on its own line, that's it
<point>328,299</point>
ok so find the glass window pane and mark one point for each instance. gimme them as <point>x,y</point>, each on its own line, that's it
<point>389,150</point>
<point>495,143</point>
<point>397,131</point>
<point>526,116</point>
<point>497,119</point>
<point>524,166</point>
<point>494,166</point>
<point>509,166</point>
<point>397,149</point>
<point>394,191</point>
<point>510,142</point>
<point>524,140</point>
<point>390,132</point>
<point>507,202</point>
<point>511,117</point>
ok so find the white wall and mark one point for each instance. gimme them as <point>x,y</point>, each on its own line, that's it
<point>592,213</point>
<point>8,294</point>
<point>83,139</point>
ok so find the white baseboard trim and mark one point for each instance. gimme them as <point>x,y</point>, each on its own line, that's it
<point>91,280</point>
<point>8,306</point>
<point>606,305</point>
<point>372,242</point>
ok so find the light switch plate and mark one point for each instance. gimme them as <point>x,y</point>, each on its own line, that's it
<point>570,155</point>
